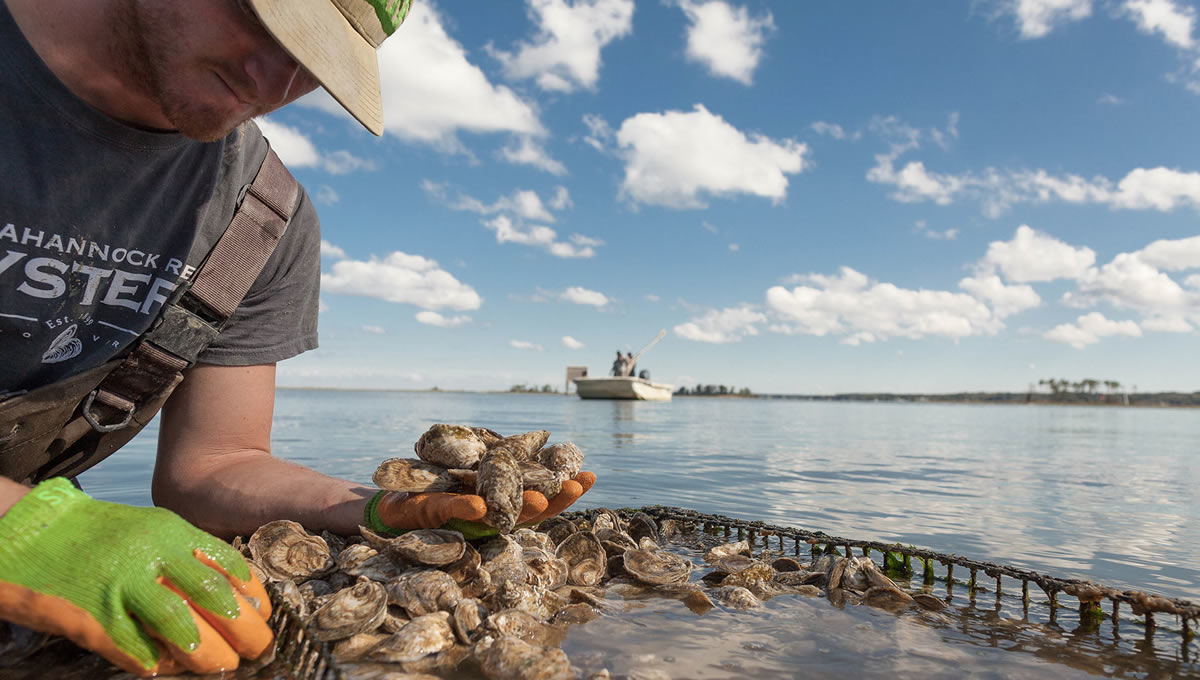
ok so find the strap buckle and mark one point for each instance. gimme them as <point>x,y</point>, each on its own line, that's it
<point>128,407</point>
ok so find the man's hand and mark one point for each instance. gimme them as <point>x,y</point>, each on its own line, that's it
<point>400,511</point>
<point>139,586</point>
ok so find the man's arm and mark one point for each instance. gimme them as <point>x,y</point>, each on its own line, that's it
<point>215,468</point>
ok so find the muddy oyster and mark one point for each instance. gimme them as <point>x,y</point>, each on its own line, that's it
<point>564,459</point>
<point>285,550</point>
<point>451,446</point>
<point>357,609</point>
<point>413,475</point>
<point>656,567</point>
<point>513,659</point>
<point>431,547</point>
<point>500,485</point>
<point>585,558</point>
<point>424,635</point>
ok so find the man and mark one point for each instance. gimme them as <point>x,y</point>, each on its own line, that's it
<point>127,152</point>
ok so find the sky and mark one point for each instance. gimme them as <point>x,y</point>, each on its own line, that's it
<point>809,198</point>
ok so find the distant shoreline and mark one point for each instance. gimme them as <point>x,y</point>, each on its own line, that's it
<point>1141,400</point>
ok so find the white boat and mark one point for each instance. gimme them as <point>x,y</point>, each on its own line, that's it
<point>622,387</point>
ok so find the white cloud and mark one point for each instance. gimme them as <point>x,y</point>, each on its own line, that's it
<point>675,158</point>
<point>1129,282</point>
<point>523,344</point>
<point>561,200</point>
<point>401,278</point>
<point>332,251</point>
<point>849,304</point>
<point>1165,324</point>
<point>721,326</point>
<point>1034,256</point>
<point>1173,254</point>
<point>296,150</point>
<point>1173,22</point>
<point>583,296</point>
<point>833,130</point>
<point>1037,18</point>
<point>947,235</point>
<point>1110,99</point>
<point>565,53</point>
<point>725,38</point>
<point>527,151</point>
<point>599,134</point>
<point>326,195</point>
<point>1158,188</point>
<point>537,235</point>
<point>1005,300</point>
<point>374,330</point>
<point>322,307</point>
<point>651,297</point>
<point>523,203</point>
<point>571,343</point>
<point>434,319</point>
<point>733,247</point>
<point>431,91</point>
<point>1090,328</point>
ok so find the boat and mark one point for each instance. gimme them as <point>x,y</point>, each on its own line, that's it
<point>622,387</point>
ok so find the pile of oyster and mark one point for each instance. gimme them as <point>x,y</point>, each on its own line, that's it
<point>431,602</point>
<point>458,458</point>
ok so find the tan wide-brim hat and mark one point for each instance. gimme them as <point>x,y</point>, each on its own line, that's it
<point>335,40</point>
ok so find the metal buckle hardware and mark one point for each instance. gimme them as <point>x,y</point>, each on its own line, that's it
<point>94,421</point>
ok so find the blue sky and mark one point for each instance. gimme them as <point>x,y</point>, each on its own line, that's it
<point>808,197</point>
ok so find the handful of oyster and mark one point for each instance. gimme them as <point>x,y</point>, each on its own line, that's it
<point>462,459</point>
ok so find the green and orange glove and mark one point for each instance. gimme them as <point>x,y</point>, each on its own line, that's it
<point>139,586</point>
<point>394,512</point>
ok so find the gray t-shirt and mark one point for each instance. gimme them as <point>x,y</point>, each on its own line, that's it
<point>100,222</point>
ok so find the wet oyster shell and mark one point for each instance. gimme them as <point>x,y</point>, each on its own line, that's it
<point>557,528</point>
<point>520,624</point>
<point>513,659</point>
<point>424,635</point>
<point>533,539</point>
<point>536,477</point>
<point>585,558</point>
<point>412,475</point>
<point>523,446</point>
<point>467,618</point>
<point>930,602</point>
<point>488,437</point>
<point>727,550</point>
<point>290,594</point>
<point>450,446</point>
<point>350,611</point>
<point>424,592</point>
<point>564,459</point>
<point>285,550</point>
<point>738,597</point>
<point>502,558</point>
<point>543,569</point>
<point>432,547</point>
<point>656,567</point>
<point>500,485</point>
<point>886,597</point>
<point>603,518</point>
<point>642,526</point>
<point>355,646</point>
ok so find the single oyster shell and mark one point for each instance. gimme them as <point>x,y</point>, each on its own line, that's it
<point>564,459</point>
<point>930,602</point>
<point>502,558</point>
<point>798,578</point>
<point>451,446</point>
<point>737,597</point>
<point>886,597</point>
<point>523,446</point>
<point>536,477</point>
<point>603,518</point>
<point>787,564</point>
<point>522,625</point>
<point>314,588</point>
<point>500,486</point>
<point>615,542</point>
<point>413,475</point>
<point>529,538</point>
<point>585,558</point>
<point>464,477</point>
<point>539,602</point>
<point>514,659</point>
<point>285,550</point>
<point>377,567</point>
<point>543,569</point>
<point>424,592</point>
<point>432,547</point>
<point>721,551</point>
<point>487,436</point>
<point>557,528</point>
<point>656,567</point>
<point>353,556</point>
<point>424,635</point>
<point>642,526</point>
<point>355,646</point>
<point>468,617</point>
<point>350,611</point>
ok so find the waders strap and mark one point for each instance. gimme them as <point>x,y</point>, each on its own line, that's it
<point>185,328</point>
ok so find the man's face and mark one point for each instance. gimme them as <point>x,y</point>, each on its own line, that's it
<point>209,64</point>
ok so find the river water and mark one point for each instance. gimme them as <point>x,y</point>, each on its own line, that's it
<point>1103,493</point>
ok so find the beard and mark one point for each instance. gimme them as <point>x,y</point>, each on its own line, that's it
<point>153,50</point>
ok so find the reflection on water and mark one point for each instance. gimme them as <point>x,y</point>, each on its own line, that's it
<point>1107,494</point>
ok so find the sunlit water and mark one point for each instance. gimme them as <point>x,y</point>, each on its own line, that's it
<point>1106,494</point>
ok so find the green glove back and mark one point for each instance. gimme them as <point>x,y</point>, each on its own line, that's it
<point>119,565</point>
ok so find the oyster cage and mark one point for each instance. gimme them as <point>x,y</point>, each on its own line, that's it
<point>297,654</point>
<point>1089,595</point>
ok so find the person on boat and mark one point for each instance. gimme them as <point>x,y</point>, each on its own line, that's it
<point>154,251</point>
<point>618,367</point>
<point>630,366</point>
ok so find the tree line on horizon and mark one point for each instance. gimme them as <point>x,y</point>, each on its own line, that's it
<point>713,390</point>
